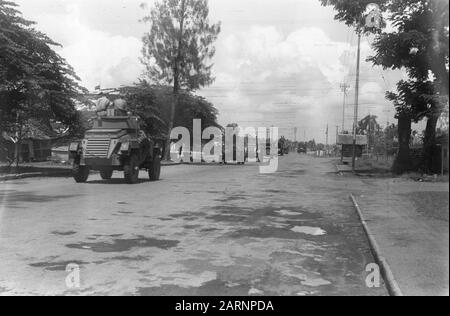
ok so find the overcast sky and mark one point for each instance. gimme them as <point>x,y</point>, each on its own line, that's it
<point>278,62</point>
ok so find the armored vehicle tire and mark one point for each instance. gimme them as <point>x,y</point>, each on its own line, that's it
<point>106,174</point>
<point>155,172</point>
<point>80,173</point>
<point>131,170</point>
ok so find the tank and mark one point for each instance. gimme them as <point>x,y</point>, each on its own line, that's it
<point>116,143</point>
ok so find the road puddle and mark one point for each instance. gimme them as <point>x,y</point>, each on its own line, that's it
<point>288,213</point>
<point>56,266</point>
<point>314,231</point>
<point>121,245</point>
<point>316,282</point>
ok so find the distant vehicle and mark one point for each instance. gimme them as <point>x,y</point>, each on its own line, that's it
<point>116,143</point>
<point>301,150</point>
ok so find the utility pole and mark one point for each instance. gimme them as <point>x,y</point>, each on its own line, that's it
<point>337,133</point>
<point>372,19</point>
<point>355,119</point>
<point>295,134</point>
<point>344,88</point>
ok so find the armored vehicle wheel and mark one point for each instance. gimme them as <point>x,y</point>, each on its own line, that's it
<point>80,173</point>
<point>155,171</point>
<point>131,170</point>
<point>106,174</point>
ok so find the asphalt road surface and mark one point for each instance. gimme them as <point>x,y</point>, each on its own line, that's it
<point>201,230</point>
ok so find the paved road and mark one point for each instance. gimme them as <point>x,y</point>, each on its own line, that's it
<point>201,230</point>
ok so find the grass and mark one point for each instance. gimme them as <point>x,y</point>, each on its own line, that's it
<point>431,204</point>
<point>375,166</point>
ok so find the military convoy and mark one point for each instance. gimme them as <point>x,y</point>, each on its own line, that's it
<point>116,143</point>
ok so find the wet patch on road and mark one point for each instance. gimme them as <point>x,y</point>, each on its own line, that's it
<point>188,215</point>
<point>266,232</point>
<point>294,173</point>
<point>96,236</point>
<point>123,245</point>
<point>269,215</point>
<point>314,231</point>
<point>208,230</point>
<point>125,212</point>
<point>232,198</point>
<point>56,266</point>
<point>11,198</point>
<point>275,191</point>
<point>165,219</point>
<point>211,288</point>
<point>127,258</point>
<point>61,233</point>
<point>191,226</point>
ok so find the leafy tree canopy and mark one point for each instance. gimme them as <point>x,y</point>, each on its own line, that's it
<point>179,46</point>
<point>35,82</point>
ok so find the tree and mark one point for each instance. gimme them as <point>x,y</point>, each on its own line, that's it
<point>370,127</point>
<point>385,141</point>
<point>148,102</point>
<point>178,49</point>
<point>144,101</point>
<point>419,45</point>
<point>37,86</point>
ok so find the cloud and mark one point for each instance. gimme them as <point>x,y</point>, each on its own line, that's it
<point>268,77</point>
<point>98,57</point>
<point>280,67</point>
<point>280,79</point>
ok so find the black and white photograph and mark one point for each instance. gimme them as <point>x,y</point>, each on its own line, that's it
<point>224,154</point>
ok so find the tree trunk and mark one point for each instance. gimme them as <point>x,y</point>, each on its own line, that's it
<point>176,80</point>
<point>403,161</point>
<point>17,154</point>
<point>428,144</point>
<point>173,106</point>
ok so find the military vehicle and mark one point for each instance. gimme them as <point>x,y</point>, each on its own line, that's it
<point>116,143</point>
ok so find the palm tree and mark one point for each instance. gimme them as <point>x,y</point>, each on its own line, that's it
<point>369,126</point>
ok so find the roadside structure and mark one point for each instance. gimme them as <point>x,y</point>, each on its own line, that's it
<point>346,143</point>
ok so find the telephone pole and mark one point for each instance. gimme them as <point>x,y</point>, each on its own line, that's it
<point>337,133</point>
<point>344,88</point>
<point>355,119</point>
<point>372,19</point>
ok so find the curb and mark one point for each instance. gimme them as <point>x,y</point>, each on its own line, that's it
<point>170,164</point>
<point>388,276</point>
<point>35,175</point>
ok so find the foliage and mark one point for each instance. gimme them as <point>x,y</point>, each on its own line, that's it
<point>178,49</point>
<point>152,104</point>
<point>37,86</point>
<point>353,12</point>
<point>370,127</point>
<point>179,46</point>
<point>417,43</point>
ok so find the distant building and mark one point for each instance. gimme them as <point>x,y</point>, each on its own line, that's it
<point>35,145</point>
<point>32,148</point>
